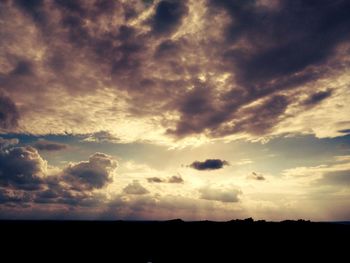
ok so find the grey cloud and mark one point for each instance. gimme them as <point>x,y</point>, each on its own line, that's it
<point>340,178</point>
<point>168,16</point>
<point>9,114</point>
<point>155,180</point>
<point>167,49</point>
<point>24,179</point>
<point>262,118</point>
<point>198,112</point>
<point>18,197</point>
<point>283,49</point>
<point>226,195</point>
<point>63,195</point>
<point>4,143</point>
<point>346,131</point>
<point>61,192</point>
<point>256,176</point>
<point>135,188</point>
<point>22,168</point>
<point>44,145</point>
<point>101,137</point>
<point>289,39</point>
<point>317,97</point>
<point>34,8</point>
<point>175,179</point>
<point>209,164</point>
<point>92,174</point>
<point>23,68</point>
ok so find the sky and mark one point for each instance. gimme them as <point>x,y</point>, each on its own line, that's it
<point>162,109</point>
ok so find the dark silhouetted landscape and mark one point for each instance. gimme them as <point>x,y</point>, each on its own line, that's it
<point>174,240</point>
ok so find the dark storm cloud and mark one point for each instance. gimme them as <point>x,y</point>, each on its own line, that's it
<point>9,114</point>
<point>21,168</point>
<point>168,16</point>
<point>260,119</point>
<point>128,55</point>
<point>72,6</point>
<point>23,68</point>
<point>291,37</point>
<point>284,47</point>
<point>34,8</point>
<point>44,145</point>
<point>143,50</point>
<point>93,174</point>
<point>198,112</point>
<point>135,188</point>
<point>117,49</point>
<point>73,16</point>
<point>316,98</point>
<point>167,49</point>
<point>209,164</point>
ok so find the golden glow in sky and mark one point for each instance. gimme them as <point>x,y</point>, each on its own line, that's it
<point>191,109</point>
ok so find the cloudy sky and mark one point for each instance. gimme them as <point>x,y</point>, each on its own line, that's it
<point>193,109</point>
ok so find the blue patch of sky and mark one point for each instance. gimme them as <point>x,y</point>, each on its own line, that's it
<point>272,157</point>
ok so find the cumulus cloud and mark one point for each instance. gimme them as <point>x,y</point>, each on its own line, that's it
<point>19,198</point>
<point>26,180</point>
<point>92,174</point>
<point>135,188</point>
<point>44,145</point>
<point>22,168</point>
<point>218,194</point>
<point>209,164</point>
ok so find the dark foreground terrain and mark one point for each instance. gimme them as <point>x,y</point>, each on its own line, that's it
<point>172,241</point>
